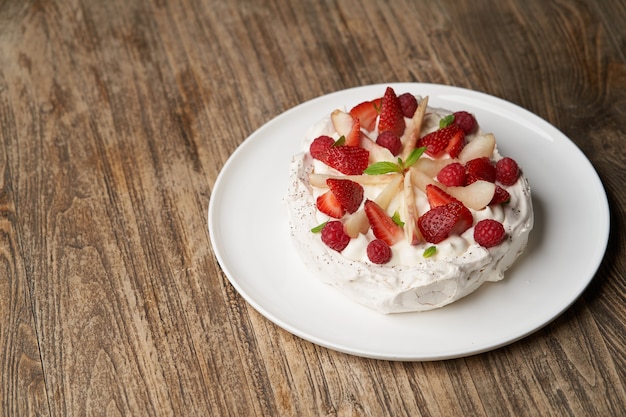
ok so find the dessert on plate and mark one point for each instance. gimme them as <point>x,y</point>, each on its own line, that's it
<point>405,207</point>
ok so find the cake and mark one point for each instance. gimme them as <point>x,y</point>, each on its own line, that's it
<point>403,207</point>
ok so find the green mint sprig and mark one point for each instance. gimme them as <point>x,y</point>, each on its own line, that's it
<point>386,167</point>
<point>430,251</point>
<point>318,228</point>
<point>340,141</point>
<point>396,219</point>
<point>446,121</point>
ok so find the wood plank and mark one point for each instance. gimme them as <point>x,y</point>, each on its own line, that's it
<point>116,118</point>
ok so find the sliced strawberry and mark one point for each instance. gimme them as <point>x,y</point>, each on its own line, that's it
<point>481,168</point>
<point>464,218</point>
<point>348,193</point>
<point>436,142</point>
<point>367,112</point>
<point>349,160</point>
<point>441,222</point>
<point>456,144</point>
<point>353,138</point>
<point>391,116</point>
<point>328,204</point>
<point>382,224</point>
<point>437,197</point>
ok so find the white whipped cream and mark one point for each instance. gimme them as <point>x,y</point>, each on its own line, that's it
<point>409,282</point>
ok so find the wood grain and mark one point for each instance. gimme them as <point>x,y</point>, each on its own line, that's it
<point>115,120</point>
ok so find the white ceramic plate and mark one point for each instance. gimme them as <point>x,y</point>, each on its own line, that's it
<point>249,233</point>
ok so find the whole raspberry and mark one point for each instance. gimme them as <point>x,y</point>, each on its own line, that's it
<point>452,175</point>
<point>391,141</point>
<point>334,236</point>
<point>408,103</point>
<point>320,146</point>
<point>500,195</point>
<point>378,251</point>
<point>507,171</point>
<point>489,233</point>
<point>465,121</point>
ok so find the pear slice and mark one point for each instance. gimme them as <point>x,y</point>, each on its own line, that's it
<point>412,133</point>
<point>421,179</point>
<point>319,180</point>
<point>342,122</point>
<point>476,196</point>
<point>377,153</point>
<point>431,167</point>
<point>411,231</point>
<point>480,146</point>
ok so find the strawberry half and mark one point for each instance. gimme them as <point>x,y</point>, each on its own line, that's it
<point>481,168</point>
<point>349,194</point>
<point>437,197</point>
<point>441,222</point>
<point>391,116</point>
<point>353,138</point>
<point>349,160</point>
<point>437,142</point>
<point>328,204</point>
<point>366,113</point>
<point>383,226</point>
<point>456,144</point>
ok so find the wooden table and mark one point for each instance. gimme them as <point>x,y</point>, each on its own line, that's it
<point>115,120</point>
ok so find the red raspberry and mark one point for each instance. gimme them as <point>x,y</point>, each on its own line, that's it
<point>470,179</point>
<point>408,103</point>
<point>452,175</point>
<point>465,121</point>
<point>489,233</point>
<point>320,146</point>
<point>500,195</point>
<point>481,168</point>
<point>334,236</point>
<point>378,251</point>
<point>507,171</point>
<point>391,141</point>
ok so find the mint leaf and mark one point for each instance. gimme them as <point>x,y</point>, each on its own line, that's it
<point>318,229</point>
<point>446,121</point>
<point>396,219</point>
<point>340,141</point>
<point>430,251</point>
<point>413,157</point>
<point>382,167</point>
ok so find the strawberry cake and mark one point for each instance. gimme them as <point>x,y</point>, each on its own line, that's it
<point>404,207</point>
